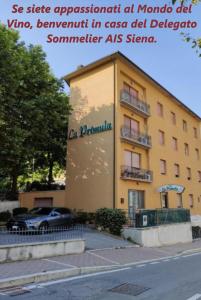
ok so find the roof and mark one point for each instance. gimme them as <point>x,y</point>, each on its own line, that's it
<point>121,56</point>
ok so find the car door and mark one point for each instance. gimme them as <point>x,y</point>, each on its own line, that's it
<point>65,216</point>
<point>54,218</point>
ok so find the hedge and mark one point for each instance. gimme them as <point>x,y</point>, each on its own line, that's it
<point>110,219</point>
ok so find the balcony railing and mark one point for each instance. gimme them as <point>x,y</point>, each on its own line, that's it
<point>135,137</point>
<point>134,103</point>
<point>137,174</point>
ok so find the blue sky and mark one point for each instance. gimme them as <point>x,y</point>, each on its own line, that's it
<point>171,61</point>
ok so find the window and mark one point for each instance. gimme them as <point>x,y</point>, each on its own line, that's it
<point>174,144</point>
<point>197,152</point>
<point>133,92</point>
<point>161,137</point>
<point>191,200</point>
<point>186,149</point>
<point>132,159</point>
<point>199,176</point>
<point>163,166</point>
<point>195,131</point>
<point>176,170</point>
<point>173,118</point>
<point>188,173</point>
<point>159,109</point>
<point>179,200</point>
<point>184,125</point>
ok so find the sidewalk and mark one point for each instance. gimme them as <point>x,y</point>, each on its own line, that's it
<point>93,260</point>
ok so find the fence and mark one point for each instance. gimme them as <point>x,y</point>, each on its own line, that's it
<point>21,236</point>
<point>155,217</point>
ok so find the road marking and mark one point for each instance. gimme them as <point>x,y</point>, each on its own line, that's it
<point>155,262</point>
<point>166,260</point>
<point>140,266</point>
<point>189,255</point>
<point>74,278</point>
<point>59,263</point>
<point>106,259</point>
<point>195,297</point>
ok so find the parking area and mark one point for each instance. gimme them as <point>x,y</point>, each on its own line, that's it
<point>93,238</point>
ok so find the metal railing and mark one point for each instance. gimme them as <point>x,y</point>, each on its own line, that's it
<point>128,172</point>
<point>137,137</point>
<point>22,236</point>
<point>136,103</point>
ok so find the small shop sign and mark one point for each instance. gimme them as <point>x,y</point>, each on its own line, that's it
<point>89,130</point>
<point>171,187</point>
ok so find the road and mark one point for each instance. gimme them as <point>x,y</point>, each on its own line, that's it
<point>176,278</point>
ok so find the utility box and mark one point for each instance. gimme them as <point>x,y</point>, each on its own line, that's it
<point>145,218</point>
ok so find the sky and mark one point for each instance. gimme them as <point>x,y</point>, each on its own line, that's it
<point>170,61</point>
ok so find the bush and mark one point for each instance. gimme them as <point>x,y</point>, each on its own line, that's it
<point>5,216</point>
<point>110,219</point>
<point>19,211</point>
<point>85,217</point>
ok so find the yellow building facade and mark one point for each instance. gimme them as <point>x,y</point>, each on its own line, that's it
<point>131,143</point>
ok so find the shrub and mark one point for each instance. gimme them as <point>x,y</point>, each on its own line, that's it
<point>5,216</point>
<point>111,219</point>
<point>84,217</point>
<point>19,211</point>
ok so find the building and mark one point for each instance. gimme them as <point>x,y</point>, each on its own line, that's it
<point>131,143</point>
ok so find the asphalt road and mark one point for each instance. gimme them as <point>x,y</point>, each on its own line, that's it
<point>176,278</point>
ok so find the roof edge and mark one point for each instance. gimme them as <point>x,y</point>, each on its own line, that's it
<point>120,55</point>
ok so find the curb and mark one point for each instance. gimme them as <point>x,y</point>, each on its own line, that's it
<point>191,251</point>
<point>52,275</point>
<point>61,274</point>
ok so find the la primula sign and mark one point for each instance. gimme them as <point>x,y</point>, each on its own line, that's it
<point>171,187</point>
<point>86,130</point>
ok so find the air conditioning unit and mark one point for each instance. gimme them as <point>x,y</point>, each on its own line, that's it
<point>148,177</point>
<point>142,140</point>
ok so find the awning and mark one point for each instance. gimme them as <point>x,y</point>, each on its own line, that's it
<point>171,187</point>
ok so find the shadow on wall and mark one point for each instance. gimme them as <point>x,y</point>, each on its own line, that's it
<point>90,157</point>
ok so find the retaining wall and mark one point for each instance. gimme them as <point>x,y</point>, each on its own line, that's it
<point>40,250</point>
<point>163,235</point>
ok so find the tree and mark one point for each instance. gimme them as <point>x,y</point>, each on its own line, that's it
<point>50,142</point>
<point>195,42</point>
<point>29,93</point>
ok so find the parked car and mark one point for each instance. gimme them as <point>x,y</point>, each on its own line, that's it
<point>42,218</point>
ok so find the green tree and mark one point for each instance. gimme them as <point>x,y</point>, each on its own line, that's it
<point>29,108</point>
<point>195,42</point>
<point>50,130</point>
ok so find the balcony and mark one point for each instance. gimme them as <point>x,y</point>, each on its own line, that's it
<point>135,138</point>
<point>132,173</point>
<point>137,105</point>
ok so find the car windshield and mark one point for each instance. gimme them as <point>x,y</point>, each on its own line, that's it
<point>41,211</point>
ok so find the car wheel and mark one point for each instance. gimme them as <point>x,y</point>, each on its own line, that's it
<point>43,228</point>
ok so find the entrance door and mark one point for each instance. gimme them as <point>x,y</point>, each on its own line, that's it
<point>164,200</point>
<point>135,201</point>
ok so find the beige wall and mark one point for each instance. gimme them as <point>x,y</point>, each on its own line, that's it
<point>27,198</point>
<point>89,183</point>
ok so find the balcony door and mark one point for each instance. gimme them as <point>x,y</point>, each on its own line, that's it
<point>132,125</point>
<point>132,159</point>
<point>133,92</point>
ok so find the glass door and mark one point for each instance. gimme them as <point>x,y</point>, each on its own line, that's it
<point>135,201</point>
